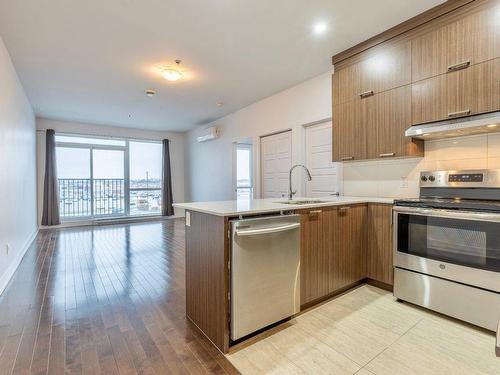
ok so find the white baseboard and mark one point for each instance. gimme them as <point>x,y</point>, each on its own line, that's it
<point>9,272</point>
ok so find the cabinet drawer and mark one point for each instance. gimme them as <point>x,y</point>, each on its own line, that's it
<point>473,90</point>
<point>470,40</point>
<point>383,69</point>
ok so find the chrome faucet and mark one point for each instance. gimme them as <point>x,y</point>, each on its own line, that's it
<point>290,191</point>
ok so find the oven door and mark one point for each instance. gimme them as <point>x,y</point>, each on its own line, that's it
<point>453,245</point>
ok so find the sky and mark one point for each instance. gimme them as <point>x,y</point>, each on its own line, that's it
<point>144,157</point>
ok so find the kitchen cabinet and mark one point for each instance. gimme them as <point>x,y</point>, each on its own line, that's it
<point>473,90</point>
<point>389,117</point>
<point>379,257</point>
<point>313,256</point>
<point>346,237</point>
<point>381,69</point>
<point>349,130</point>
<point>374,127</point>
<point>457,43</point>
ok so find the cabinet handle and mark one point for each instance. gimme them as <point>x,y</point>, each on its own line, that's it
<point>315,212</point>
<point>459,113</point>
<point>344,208</point>
<point>459,66</point>
<point>366,94</point>
<point>387,154</point>
<point>347,157</point>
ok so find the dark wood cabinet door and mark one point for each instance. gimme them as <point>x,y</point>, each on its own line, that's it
<point>383,68</point>
<point>349,130</point>
<point>313,257</point>
<point>379,243</point>
<point>386,127</point>
<point>469,91</point>
<point>347,239</point>
<point>456,43</point>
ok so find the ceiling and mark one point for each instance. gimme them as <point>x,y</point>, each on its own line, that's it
<point>92,60</point>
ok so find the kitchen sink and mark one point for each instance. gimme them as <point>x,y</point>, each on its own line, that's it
<point>301,201</point>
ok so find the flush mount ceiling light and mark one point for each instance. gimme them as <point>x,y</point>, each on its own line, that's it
<point>320,28</point>
<point>172,74</point>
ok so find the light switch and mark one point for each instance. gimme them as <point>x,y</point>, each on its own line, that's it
<point>404,182</point>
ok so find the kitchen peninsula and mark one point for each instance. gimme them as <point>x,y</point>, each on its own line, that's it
<point>343,241</point>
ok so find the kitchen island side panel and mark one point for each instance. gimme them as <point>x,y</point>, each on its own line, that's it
<point>207,276</point>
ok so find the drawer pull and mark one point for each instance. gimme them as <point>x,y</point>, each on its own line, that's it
<point>315,212</point>
<point>347,158</point>
<point>366,94</point>
<point>459,66</point>
<point>459,113</point>
<point>387,154</point>
<point>344,208</point>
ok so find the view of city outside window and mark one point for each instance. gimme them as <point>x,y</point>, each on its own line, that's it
<point>91,174</point>
<point>145,177</point>
<point>73,172</point>
<point>243,171</point>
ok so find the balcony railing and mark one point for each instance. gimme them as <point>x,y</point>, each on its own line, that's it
<point>108,198</point>
<point>75,197</point>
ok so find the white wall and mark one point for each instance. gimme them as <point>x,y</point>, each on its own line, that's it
<point>209,164</point>
<point>17,170</point>
<point>177,153</point>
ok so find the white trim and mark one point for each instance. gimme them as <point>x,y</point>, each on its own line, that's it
<point>11,270</point>
<point>114,220</point>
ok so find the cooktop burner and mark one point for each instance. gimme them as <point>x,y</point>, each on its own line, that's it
<point>451,204</point>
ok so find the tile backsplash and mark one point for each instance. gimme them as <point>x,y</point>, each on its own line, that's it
<point>400,177</point>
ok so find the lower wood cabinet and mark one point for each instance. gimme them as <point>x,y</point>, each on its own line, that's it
<point>313,256</point>
<point>379,243</point>
<point>342,245</point>
<point>346,239</point>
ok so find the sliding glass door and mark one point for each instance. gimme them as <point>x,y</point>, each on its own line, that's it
<point>101,177</point>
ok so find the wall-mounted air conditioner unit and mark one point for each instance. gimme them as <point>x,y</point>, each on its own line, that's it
<point>209,134</point>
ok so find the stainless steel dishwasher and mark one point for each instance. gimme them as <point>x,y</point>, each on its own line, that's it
<point>265,272</point>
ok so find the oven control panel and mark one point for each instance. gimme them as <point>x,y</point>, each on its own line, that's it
<point>457,178</point>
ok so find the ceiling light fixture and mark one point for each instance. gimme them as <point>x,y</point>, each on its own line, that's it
<point>172,74</point>
<point>320,28</point>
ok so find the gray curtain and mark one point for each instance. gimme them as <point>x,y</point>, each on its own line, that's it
<point>50,214</point>
<point>166,187</point>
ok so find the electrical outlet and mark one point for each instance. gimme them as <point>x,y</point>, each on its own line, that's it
<point>404,182</point>
<point>7,248</point>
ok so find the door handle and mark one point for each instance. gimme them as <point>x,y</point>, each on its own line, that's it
<point>387,154</point>
<point>459,113</point>
<point>347,158</point>
<point>366,94</point>
<point>459,66</point>
<point>254,232</point>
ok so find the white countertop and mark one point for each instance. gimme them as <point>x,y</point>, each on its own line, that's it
<point>259,206</point>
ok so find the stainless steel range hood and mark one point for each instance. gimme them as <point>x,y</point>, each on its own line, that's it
<point>470,125</point>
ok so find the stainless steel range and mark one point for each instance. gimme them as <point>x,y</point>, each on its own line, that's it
<point>447,246</point>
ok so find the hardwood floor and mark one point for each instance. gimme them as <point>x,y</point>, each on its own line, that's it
<point>106,299</point>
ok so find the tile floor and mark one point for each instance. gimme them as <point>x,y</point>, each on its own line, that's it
<point>367,332</point>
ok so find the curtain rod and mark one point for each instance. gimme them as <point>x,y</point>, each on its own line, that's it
<point>105,136</point>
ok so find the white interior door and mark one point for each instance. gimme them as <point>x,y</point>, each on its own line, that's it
<point>324,172</point>
<point>276,161</point>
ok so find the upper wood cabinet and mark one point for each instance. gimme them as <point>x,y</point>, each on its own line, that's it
<point>379,70</point>
<point>379,243</point>
<point>389,117</point>
<point>473,90</point>
<point>346,240</point>
<point>313,256</point>
<point>457,43</point>
<point>349,130</point>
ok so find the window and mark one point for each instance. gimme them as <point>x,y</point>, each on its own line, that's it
<point>244,186</point>
<point>100,177</point>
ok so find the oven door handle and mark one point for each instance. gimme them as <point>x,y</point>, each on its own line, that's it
<point>449,214</point>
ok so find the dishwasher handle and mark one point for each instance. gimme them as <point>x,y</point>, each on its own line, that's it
<point>268,230</point>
